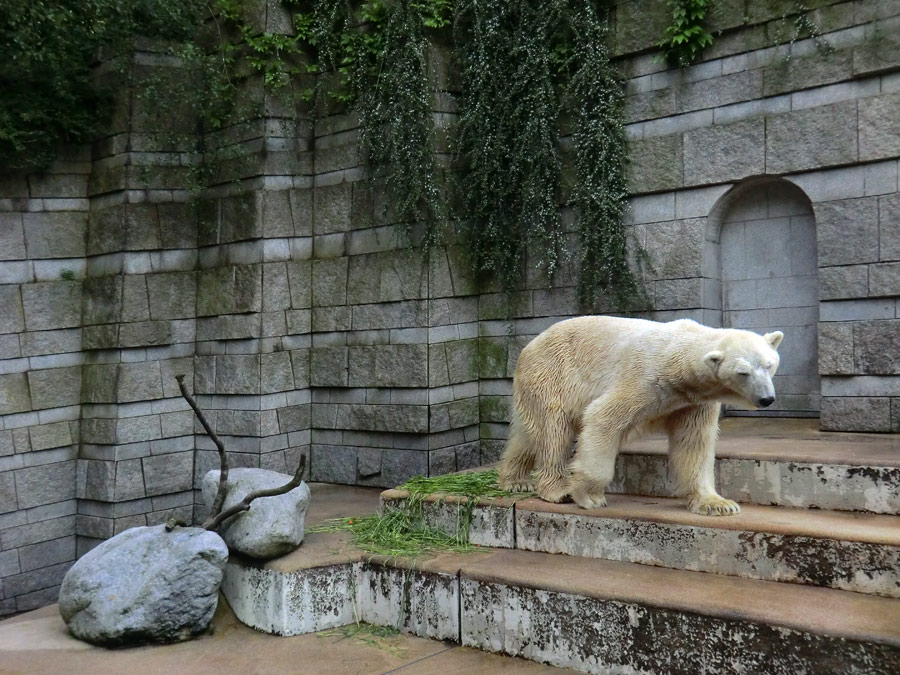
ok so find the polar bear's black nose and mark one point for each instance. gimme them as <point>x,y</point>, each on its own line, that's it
<point>767,401</point>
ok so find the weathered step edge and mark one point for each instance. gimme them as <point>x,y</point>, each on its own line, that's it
<point>506,602</point>
<point>772,482</point>
<point>767,543</point>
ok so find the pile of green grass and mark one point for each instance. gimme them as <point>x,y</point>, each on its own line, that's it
<point>403,531</point>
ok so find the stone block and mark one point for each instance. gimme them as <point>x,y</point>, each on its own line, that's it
<point>172,295</point>
<point>884,279</point>
<point>819,68</point>
<point>168,473</point>
<point>333,464</point>
<point>106,231</point>
<point>102,299</point>
<point>137,429</point>
<point>462,361</point>
<point>247,288</point>
<point>300,367</point>
<point>302,211</point>
<point>847,231</point>
<point>177,225</point>
<point>848,281</point>
<point>135,302</point>
<point>11,309</point>
<point>398,466</point>
<point>129,480</point>
<point>877,347</point>
<point>47,553</point>
<point>53,435</point>
<point>214,291</point>
<point>328,367</point>
<point>240,218</point>
<point>55,234</point>
<point>856,413</point>
<point>145,334</point>
<point>675,249</point>
<point>98,430</point>
<point>276,214</point>
<point>139,382</point>
<point>52,304</point>
<point>276,290</point>
<point>275,372</point>
<point>888,229</point>
<point>655,164</point>
<point>141,227</point>
<point>237,374</point>
<point>8,501</point>
<point>96,480</point>
<point>293,418</point>
<point>836,348</point>
<point>14,395</point>
<point>55,387</point>
<point>45,484</point>
<point>724,152</point>
<point>879,127</point>
<point>389,366</point>
<point>329,282</point>
<point>794,140</point>
<point>880,52</point>
<point>678,294</point>
<point>331,319</point>
<point>332,208</point>
<point>12,237</point>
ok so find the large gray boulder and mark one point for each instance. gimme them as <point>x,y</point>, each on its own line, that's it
<point>272,526</point>
<point>145,585</point>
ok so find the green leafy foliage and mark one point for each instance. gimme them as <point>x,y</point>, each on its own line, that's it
<point>553,62</point>
<point>46,52</point>
<point>397,125</point>
<point>507,138</point>
<point>687,35</point>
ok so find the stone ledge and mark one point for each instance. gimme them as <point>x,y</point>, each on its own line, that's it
<point>476,600</point>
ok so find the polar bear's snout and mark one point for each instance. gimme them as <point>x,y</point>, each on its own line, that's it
<point>766,402</point>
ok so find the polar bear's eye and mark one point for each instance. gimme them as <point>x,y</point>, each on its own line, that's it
<point>743,373</point>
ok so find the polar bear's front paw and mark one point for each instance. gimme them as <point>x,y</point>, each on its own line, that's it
<point>518,486</point>
<point>591,501</point>
<point>713,505</point>
<point>553,489</point>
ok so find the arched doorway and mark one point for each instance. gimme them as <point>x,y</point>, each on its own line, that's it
<point>769,273</point>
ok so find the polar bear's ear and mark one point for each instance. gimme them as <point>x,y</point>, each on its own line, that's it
<point>774,339</point>
<point>713,359</point>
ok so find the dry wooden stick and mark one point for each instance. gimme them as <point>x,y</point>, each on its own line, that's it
<point>214,521</point>
<point>217,516</point>
<point>223,458</point>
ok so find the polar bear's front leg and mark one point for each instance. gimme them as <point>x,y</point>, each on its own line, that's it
<point>594,464</point>
<point>692,457</point>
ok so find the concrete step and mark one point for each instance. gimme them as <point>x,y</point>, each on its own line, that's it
<point>593,615</point>
<point>782,463</point>
<point>850,551</point>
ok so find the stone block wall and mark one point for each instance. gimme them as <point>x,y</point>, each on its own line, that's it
<point>305,326</point>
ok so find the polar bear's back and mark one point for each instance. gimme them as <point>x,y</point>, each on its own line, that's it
<point>573,360</point>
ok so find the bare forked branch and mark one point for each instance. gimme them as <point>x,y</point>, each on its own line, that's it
<point>213,522</point>
<point>223,458</point>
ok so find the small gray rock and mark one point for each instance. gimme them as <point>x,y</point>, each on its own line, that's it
<point>272,526</point>
<point>145,585</point>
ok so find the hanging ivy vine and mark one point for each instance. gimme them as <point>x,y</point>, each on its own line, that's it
<point>507,136</point>
<point>524,66</point>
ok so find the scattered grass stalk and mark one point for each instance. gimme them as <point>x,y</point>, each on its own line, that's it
<point>403,530</point>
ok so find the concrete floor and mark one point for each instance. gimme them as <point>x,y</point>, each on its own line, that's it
<point>37,643</point>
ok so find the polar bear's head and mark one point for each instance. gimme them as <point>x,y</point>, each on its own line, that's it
<point>744,364</point>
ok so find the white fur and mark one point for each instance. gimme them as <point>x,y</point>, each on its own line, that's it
<point>606,379</point>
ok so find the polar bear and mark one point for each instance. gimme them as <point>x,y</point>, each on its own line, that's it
<point>607,379</point>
